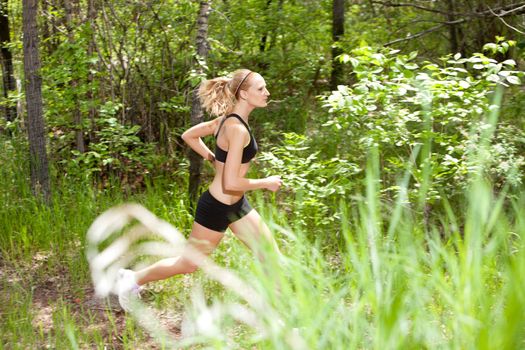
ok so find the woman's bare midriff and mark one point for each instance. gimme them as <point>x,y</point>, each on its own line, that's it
<point>217,190</point>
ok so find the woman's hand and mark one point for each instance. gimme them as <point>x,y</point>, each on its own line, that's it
<point>273,183</point>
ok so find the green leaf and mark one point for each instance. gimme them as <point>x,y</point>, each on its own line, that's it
<point>490,47</point>
<point>493,77</point>
<point>431,67</point>
<point>412,55</point>
<point>514,80</point>
<point>343,89</point>
<point>354,62</point>
<point>464,84</point>
<point>344,58</point>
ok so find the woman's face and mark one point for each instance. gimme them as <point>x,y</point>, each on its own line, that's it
<point>256,94</point>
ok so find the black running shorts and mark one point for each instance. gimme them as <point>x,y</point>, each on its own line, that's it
<point>216,215</point>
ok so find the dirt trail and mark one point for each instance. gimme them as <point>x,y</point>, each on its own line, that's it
<point>52,291</point>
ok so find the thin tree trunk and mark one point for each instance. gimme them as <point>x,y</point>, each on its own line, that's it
<point>338,30</point>
<point>454,46</point>
<point>20,107</point>
<point>264,38</point>
<point>70,9</point>
<point>372,8</point>
<point>35,119</point>
<point>196,110</point>
<point>107,35</point>
<point>275,32</point>
<point>7,61</point>
<point>46,31</point>
<point>51,24</point>
<point>123,58</point>
<point>91,15</point>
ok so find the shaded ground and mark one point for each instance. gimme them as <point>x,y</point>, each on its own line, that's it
<point>52,294</point>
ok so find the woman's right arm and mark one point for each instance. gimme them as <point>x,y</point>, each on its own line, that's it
<point>237,134</point>
<point>193,137</point>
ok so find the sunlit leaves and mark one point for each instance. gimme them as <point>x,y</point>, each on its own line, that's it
<point>405,103</point>
<point>317,182</point>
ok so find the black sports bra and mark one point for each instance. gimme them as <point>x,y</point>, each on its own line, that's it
<point>248,152</point>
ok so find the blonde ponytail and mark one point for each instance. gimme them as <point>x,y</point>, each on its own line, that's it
<point>218,95</point>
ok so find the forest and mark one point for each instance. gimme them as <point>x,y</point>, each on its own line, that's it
<point>396,126</point>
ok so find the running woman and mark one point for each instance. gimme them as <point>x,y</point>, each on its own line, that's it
<point>223,205</point>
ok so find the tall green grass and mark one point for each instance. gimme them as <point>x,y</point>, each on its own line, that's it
<point>394,281</point>
<point>456,285</point>
<point>42,256</point>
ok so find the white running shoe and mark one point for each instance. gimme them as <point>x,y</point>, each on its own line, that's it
<point>128,289</point>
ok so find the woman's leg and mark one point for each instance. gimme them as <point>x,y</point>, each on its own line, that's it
<point>201,238</point>
<point>253,232</point>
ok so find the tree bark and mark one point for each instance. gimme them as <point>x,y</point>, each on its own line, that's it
<point>50,25</point>
<point>35,120</point>
<point>264,38</point>
<point>45,28</point>
<point>338,30</point>
<point>196,110</point>
<point>91,17</point>
<point>7,61</point>
<point>454,45</point>
<point>70,8</point>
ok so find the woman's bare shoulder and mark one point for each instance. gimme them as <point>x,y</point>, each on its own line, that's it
<point>214,124</point>
<point>216,120</point>
<point>236,126</point>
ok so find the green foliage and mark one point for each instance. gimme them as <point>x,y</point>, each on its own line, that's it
<point>394,281</point>
<point>287,42</point>
<point>391,284</point>
<point>134,61</point>
<point>312,185</point>
<point>403,107</point>
<point>115,151</point>
<point>500,46</point>
<point>65,81</point>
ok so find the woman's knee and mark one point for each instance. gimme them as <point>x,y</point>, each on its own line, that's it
<point>192,268</point>
<point>188,266</point>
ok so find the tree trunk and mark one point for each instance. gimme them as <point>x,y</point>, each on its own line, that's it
<point>454,46</point>
<point>196,110</point>
<point>264,38</point>
<point>50,8</point>
<point>91,15</point>
<point>70,8</point>
<point>35,119</point>
<point>372,8</point>
<point>338,30</point>
<point>7,61</point>
<point>45,28</point>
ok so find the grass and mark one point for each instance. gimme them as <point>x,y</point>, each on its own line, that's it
<point>391,282</point>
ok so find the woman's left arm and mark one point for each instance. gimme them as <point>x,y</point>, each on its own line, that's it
<point>193,137</point>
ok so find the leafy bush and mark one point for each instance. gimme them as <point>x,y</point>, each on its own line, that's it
<point>316,183</point>
<point>118,151</point>
<point>434,113</point>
